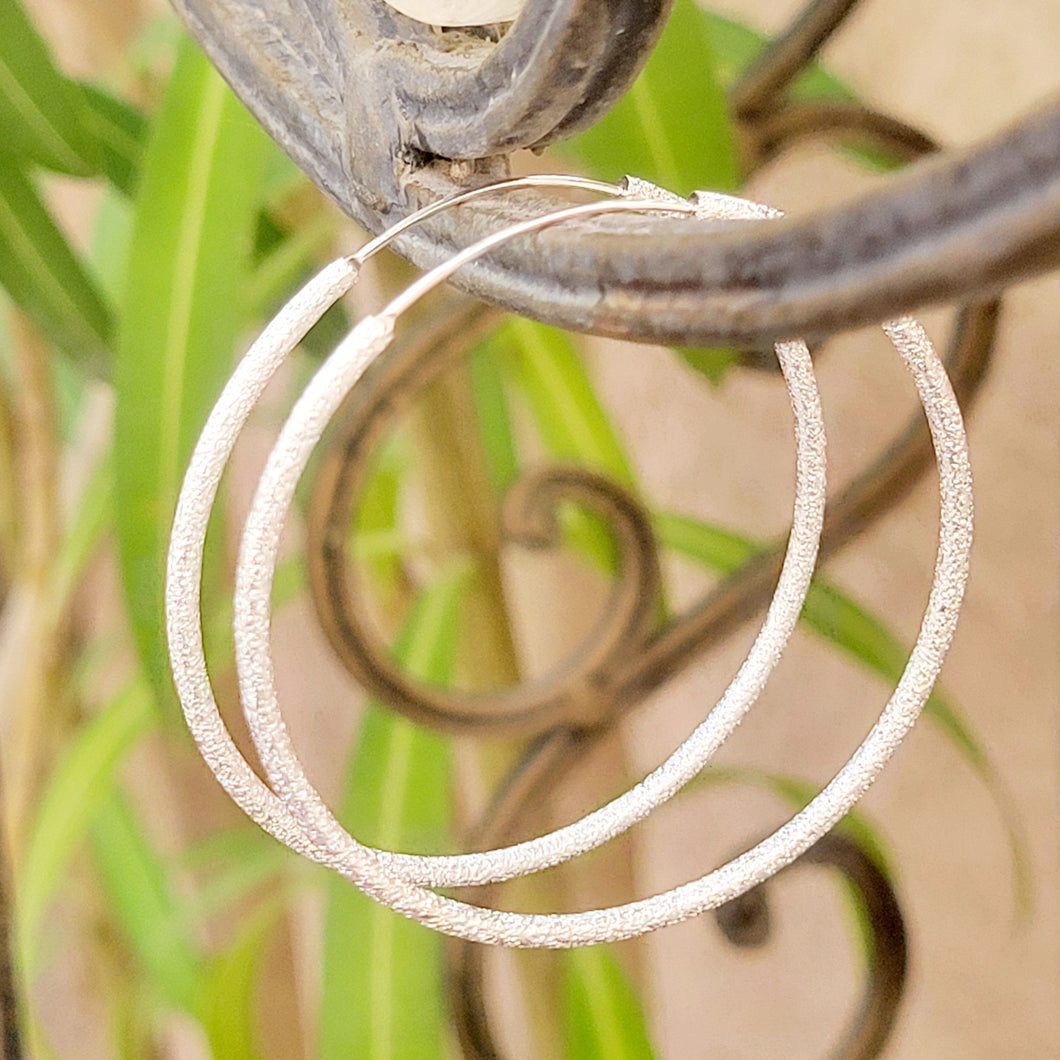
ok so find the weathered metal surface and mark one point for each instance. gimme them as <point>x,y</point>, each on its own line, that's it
<point>374,105</point>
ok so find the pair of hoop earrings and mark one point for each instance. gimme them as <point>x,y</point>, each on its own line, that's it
<point>290,808</point>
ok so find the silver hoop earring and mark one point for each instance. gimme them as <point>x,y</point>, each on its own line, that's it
<point>290,808</point>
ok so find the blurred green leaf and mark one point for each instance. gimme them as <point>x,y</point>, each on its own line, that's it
<point>91,520</point>
<point>139,892</point>
<point>111,236</point>
<point>568,414</point>
<point>376,515</point>
<point>328,332</point>
<point>232,879</point>
<point>230,1015</point>
<point>83,780</point>
<point>218,634</point>
<point>710,546</point>
<point>492,415</point>
<point>712,362</point>
<point>120,130</point>
<point>150,53</point>
<point>242,842</point>
<point>383,996</point>
<point>570,419</point>
<point>46,278</point>
<point>737,45</point>
<point>848,626</point>
<point>42,113</point>
<point>195,215</point>
<point>672,127</point>
<point>282,176</point>
<point>828,611</point>
<point>602,1015</point>
<point>288,261</point>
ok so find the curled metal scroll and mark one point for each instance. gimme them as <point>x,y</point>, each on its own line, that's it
<point>770,127</point>
<point>746,922</point>
<point>361,98</point>
<point>873,492</point>
<point>577,692</point>
<point>659,656</point>
<point>985,203</point>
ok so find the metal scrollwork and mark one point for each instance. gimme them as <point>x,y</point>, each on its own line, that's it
<point>770,125</point>
<point>388,115</point>
<point>578,693</point>
<point>362,98</point>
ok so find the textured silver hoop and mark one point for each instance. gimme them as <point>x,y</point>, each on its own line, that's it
<point>255,669</point>
<point>293,811</point>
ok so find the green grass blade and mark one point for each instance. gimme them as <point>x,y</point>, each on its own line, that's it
<point>121,132</point>
<point>383,996</point>
<point>76,790</point>
<point>570,419</point>
<point>569,416</point>
<point>230,1013</point>
<point>848,626</point>
<point>139,892</point>
<point>46,278</point>
<point>287,262</point>
<point>708,545</point>
<point>673,126</point>
<point>492,413</point>
<point>84,535</point>
<point>234,864</point>
<point>602,1015</point>
<point>377,513</point>
<point>196,211</point>
<point>41,112</point>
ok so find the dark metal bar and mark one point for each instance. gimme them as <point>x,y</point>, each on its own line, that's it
<point>338,85</point>
<point>762,85</point>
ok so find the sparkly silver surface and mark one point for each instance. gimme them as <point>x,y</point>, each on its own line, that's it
<point>255,571</point>
<point>293,811</point>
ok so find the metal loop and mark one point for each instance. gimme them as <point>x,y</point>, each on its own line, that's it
<point>304,822</point>
<point>575,693</point>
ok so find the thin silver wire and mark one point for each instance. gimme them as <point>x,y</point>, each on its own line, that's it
<point>216,443</point>
<point>307,825</point>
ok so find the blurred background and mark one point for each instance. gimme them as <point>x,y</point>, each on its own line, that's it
<point>150,920</point>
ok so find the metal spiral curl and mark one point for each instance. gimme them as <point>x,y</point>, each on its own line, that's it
<point>769,125</point>
<point>577,692</point>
